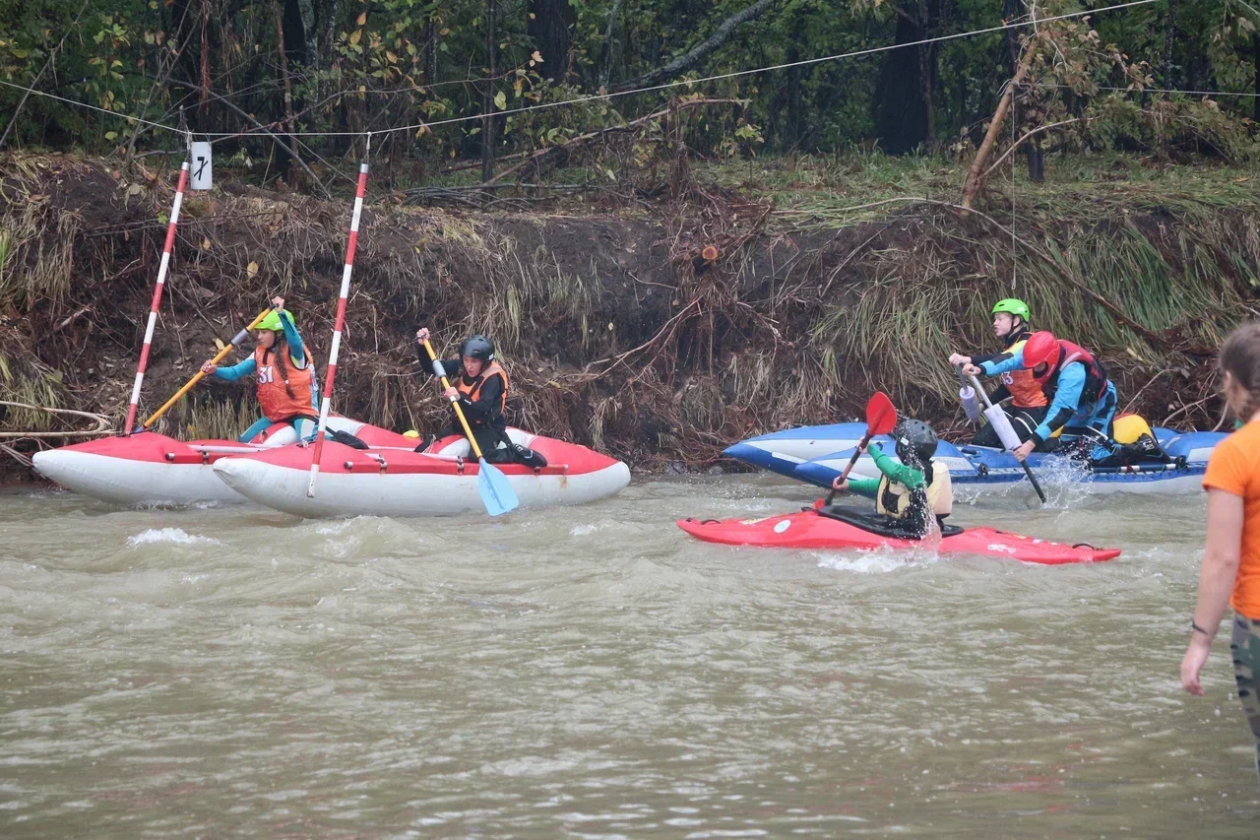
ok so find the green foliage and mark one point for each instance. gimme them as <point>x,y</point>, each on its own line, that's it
<point>360,67</point>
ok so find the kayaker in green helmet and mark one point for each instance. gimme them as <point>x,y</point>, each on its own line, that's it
<point>288,390</point>
<point>1027,400</point>
<point>916,493</point>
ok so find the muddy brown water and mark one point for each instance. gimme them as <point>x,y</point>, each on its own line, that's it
<point>592,672</point>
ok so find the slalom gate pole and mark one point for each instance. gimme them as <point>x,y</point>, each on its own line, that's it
<point>163,268</point>
<point>331,376</point>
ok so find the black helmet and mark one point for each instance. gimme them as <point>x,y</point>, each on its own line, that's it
<point>478,347</point>
<point>915,440</point>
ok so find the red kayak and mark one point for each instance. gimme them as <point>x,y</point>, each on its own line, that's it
<point>838,528</point>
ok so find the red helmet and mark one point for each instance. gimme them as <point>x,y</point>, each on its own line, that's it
<point>1042,347</point>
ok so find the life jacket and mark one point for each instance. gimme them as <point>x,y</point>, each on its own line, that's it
<point>1026,391</point>
<point>273,395</point>
<point>472,390</point>
<point>1095,374</point>
<point>894,499</point>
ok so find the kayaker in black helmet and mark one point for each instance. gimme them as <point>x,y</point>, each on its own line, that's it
<point>480,384</point>
<point>913,492</point>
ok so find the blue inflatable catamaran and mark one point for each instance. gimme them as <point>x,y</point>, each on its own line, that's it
<point>818,454</point>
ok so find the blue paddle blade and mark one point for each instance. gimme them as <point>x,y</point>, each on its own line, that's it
<point>495,489</point>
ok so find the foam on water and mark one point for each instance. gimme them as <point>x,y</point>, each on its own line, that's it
<point>178,536</point>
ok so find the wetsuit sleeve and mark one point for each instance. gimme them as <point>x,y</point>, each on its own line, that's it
<point>451,366</point>
<point>898,472</point>
<point>867,487</point>
<point>297,349</point>
<point>981,358</point>
<point>1005,363</point>
<point>237,371</point>
<point>1067,400</point>
<point>487,403</point>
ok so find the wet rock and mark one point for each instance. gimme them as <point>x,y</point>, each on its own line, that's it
<point>716,470</point>
<point>676,468</point>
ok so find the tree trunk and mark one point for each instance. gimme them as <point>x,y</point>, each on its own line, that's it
<point>608,52</point>
<point>431,52</point>
<point>1170,29</point>
<point>290,123</point>
<point>295,46</point>
<point>975,176</point>
<point>487,123</point>
<point>550,26</point>
<point>1010,11</point>
<point>1036,161</point>
<point>1255,48</point>
<point>794,129</point>
<point>927,74</point>
<point>901,120</point>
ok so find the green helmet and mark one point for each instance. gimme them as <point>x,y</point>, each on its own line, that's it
<point>1013,306</point>
<point>272,322</point>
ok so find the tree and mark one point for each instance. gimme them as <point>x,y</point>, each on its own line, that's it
<point>550,25</point>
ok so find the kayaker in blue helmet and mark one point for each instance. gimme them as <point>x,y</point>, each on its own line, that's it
<point>916,493</point>
<point>1084,402</point>
<point>1027,400</point>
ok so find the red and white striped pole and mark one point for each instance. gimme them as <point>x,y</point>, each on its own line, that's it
<point>157,297</point>
<point>330,377</point>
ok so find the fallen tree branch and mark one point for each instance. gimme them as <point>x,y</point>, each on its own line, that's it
<point>260,126</point>
<point>693,56</point>
<point>102,422</point>
<point>535,157</point>
<point>1020,141</point>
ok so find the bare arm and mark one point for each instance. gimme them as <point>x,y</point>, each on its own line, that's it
<point>1216,580</point>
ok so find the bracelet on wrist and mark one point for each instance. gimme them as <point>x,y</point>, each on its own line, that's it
<point>1195,628</point>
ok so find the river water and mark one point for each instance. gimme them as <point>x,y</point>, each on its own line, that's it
<point>593,672</point>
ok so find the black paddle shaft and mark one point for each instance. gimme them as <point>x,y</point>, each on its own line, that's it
<point>831,497</point>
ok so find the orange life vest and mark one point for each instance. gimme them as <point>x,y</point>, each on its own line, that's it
<point>1026,391</point>
<point>273,392</point>
<point>473,390</point>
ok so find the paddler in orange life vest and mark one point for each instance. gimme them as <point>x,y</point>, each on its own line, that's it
<point>481,386</point>
<point>288,391</point>
<point>1027,401</point>
<point>1084,402</point>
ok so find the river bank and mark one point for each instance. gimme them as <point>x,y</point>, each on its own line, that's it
<point>832,277</point>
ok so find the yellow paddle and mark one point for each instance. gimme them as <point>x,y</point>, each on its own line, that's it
<point>496,491</point>
<point>236,342</point>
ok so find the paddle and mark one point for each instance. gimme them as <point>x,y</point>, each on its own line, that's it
<point>881,416</point>
<point>1002,425</point>
<point>234,343</point>
<point>496,492</point>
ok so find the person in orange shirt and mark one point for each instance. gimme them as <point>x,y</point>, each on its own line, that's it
<point>1231,560</point>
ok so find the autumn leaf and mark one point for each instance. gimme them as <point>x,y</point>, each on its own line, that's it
<point>361,21</point>
<point>251,270</point>
<point>500,100</point>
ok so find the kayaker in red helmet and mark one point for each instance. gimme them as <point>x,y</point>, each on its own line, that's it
<point>1084,401</point>
<point>1027,401</point>
<point>288,390</point>
<point>481,385</point>
<point>917,493</point>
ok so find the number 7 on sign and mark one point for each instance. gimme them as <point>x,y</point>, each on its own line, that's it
<point>203,169</point>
